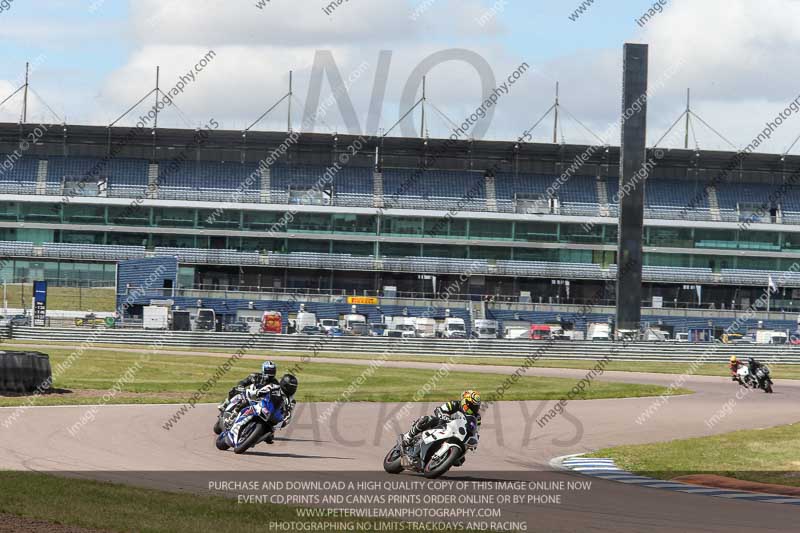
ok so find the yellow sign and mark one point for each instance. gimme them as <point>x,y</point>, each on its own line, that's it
<point>364,300</point>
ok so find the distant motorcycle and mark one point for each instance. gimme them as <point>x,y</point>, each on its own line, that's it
<point>435,451</point>
<point>256,422</point>
<point>761,379</point>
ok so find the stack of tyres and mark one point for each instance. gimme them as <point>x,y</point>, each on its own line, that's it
<point>6,383</point>
<point>24,372</point>
<point>44,376</point>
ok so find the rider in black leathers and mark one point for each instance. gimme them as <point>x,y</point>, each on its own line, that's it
<point>282,397</point>
<point>752,366</point>
<point>260,380</point>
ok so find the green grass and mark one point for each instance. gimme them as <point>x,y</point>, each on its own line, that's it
<point>710,369</point>
<point>172,379</point>
<point>764,455</point>
<point>63,298</point>
<point>114,507</point>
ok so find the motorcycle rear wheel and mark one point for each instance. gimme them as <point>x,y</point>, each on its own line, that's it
<point>444,465</point>
<point>391,463</point>
<point>256,434</point>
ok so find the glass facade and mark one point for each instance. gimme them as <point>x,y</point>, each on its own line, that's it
<point>58,273</point>
<point>289,232</point>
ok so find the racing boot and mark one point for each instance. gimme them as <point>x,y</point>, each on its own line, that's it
<point>270,438</point>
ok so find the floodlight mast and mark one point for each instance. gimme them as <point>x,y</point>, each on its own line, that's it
<point>555,119</point>
<point>155,104</point>
<point>25,95</point>
<point>273,106</point>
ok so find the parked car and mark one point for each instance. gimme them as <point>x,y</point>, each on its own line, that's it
<point>335,332</point>
<point>4,321</point>
<point>312,330</point>
<point>20,320</point>
<point>236,327</point>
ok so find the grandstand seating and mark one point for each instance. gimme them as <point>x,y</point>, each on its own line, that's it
<point>16,248</point>
<point>350,186</point>
<point>123,176</point>
<point>94,251</point>
<point>434,189</point>
<point>216,181</point>
<point>209,181</point>
<point>209,257</point>
<point>20,177</point>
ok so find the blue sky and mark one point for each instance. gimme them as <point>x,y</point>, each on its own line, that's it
<point>99,56</point>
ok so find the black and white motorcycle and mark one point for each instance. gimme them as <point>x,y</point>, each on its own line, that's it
<point>436,450</point>
<point>760,380</point>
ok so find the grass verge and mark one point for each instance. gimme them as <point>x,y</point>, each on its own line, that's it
<point>171,379</point>
<point>769,455</point>
<point>64,298</point>
<point>108,506</point>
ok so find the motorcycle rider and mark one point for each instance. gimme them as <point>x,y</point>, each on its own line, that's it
<point>734,366</point>
<point>260,380</point>
<point>469,404</point>
<point>754,365</point>
<point>283,398</point>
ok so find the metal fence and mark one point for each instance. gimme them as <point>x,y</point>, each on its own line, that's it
<point>301,344</point>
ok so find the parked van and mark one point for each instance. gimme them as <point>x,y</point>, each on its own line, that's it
<point>484,329</point>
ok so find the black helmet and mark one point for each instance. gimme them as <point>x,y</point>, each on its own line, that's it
<point>288,384</point>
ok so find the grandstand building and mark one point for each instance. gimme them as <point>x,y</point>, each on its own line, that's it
<point>339,214</point>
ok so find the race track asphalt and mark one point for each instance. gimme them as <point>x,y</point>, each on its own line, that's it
<point>130,444</point>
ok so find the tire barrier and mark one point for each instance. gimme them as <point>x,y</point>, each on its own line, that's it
<point>24,372</point>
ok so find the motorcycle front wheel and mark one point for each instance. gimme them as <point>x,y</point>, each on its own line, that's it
<point>251,434</point>
<point>434,469</point>
<point>391,463</point>
<point>218,424</point>
<point>221,443</point>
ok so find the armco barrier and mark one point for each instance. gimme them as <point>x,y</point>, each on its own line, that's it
<point>300,344</point>
<point>24,372</point>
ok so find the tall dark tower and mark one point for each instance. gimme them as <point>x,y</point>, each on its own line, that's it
<point>631,186</point>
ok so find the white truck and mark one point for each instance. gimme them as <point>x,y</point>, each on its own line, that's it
<point>453,328</point>
<point>598,331</point>
<point>768,336</point>
<point>655,335</point>
<point>251,317</point>
<point>155,317</point>
<point>484,329</point>
<point>426,327</point>
<point>516,329</point>
<point>353,322</point>
<point>303,319</point>
<point>400,326</point>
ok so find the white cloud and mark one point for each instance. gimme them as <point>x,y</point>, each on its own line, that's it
<point>739,56</point>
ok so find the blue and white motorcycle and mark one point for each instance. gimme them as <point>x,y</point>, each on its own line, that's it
<point>229,409</point>
<point>267,409</point>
